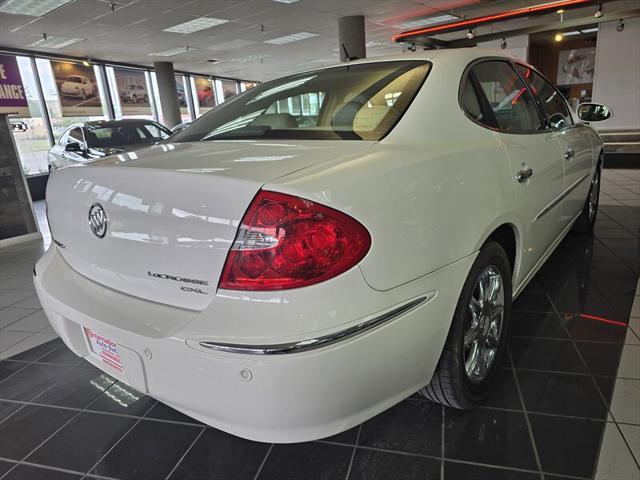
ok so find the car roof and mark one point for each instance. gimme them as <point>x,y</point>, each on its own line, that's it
<point>115,123</point>
<point>462,56</point>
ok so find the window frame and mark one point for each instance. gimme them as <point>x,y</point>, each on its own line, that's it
<point>539,101</point>
<point>487,111</point>
<point>84,137</point>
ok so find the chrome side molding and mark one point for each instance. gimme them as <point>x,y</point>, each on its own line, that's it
<point>318,342</point>
<point>560,197</point>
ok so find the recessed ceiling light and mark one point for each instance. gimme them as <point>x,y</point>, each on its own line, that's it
<point>196,25</point>
<point>294,37</point>
<point>422,22</point>
<point>250,58</point>
<point>35,8</point>
<point>285,1</point>
<point>171,52</point>
<point>55,42</point>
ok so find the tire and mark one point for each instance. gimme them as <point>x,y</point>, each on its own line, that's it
<point>587,218</point>
<point>451,385</point>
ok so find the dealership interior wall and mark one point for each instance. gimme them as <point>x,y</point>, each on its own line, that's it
<point>567,400</point>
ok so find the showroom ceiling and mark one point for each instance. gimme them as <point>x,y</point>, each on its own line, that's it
<point>251,39</point>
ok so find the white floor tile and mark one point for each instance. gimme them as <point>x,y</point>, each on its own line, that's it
<point>625,406</point>
<point>10,315</point>
<point>631,338</point>
<point>8,339</point>
<point>33,340</point>
<point>33,323</point>
<point>631,434</point>
<point>630,362</point>
<point>634,324</point>
<point>12,297</point>
<point>15,282</point>
<point>31,301</point>
<point>615,461</point>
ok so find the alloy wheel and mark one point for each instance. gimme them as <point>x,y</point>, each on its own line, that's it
<point>484,325</point>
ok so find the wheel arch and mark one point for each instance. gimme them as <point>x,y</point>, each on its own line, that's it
<point>507,235</point>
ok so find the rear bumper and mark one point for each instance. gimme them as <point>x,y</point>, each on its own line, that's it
<point>274,398</point>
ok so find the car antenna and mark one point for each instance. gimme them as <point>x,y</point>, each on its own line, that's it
<point>346,53</point>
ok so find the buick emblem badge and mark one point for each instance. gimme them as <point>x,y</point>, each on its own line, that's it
<point>98,220</point>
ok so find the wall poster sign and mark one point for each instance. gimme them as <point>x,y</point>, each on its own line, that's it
<point>576,66</point>
<point>133,92</point>
<point>77,89</point>
<point>205,94</point>
<point>13,99</point>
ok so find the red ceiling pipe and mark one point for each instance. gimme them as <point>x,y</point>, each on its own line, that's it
<point>472,22</point>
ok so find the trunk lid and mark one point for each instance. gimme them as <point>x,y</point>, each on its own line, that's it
<point>172,212</point>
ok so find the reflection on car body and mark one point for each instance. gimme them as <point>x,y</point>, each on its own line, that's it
<point>88,141</point>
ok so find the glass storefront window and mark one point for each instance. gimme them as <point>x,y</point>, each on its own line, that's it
<point>59,123</point>
<point>33,144</point>
<point>225,89</point>
<point>184,113</point>
<point>117,100</point>
<point>244,86</point>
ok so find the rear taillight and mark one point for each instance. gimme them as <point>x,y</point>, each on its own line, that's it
<point>288,242</point>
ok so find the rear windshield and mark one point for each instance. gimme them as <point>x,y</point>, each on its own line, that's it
<point>352,102</point>
<point>126,134</point>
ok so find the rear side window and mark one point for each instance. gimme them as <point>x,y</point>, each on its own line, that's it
<point>507,96</point>
<point>549,98</point>
<point>470,102</point>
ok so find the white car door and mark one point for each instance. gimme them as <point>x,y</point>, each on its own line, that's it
<point>574,141</point>
<point>534,156</point>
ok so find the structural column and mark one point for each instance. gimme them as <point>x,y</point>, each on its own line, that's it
<point>351,38</point>
<point>168,93</point>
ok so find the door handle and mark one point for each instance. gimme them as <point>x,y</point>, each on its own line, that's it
<point>524,174</point>
<point>570,152</point>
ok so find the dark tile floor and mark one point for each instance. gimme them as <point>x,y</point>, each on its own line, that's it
<point>553,415</point>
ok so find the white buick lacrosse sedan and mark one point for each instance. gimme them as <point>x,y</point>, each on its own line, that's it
<point>322,246</point>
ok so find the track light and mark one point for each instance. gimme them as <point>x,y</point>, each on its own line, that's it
<point>599,12</point>
<point>558,37</point>
<point>620,26</point>
<point>503,43</point>
<point>86,62</point>
<point>470,34</point>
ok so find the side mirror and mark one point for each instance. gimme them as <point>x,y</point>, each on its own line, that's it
<point>557,121</point>
<point>593,112</point>
<point>73,147</point>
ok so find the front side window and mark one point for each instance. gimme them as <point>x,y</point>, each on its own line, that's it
<point>512,104</point>
<point>75,136</point>
<point>352,102</point>
<point>550,100</point>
